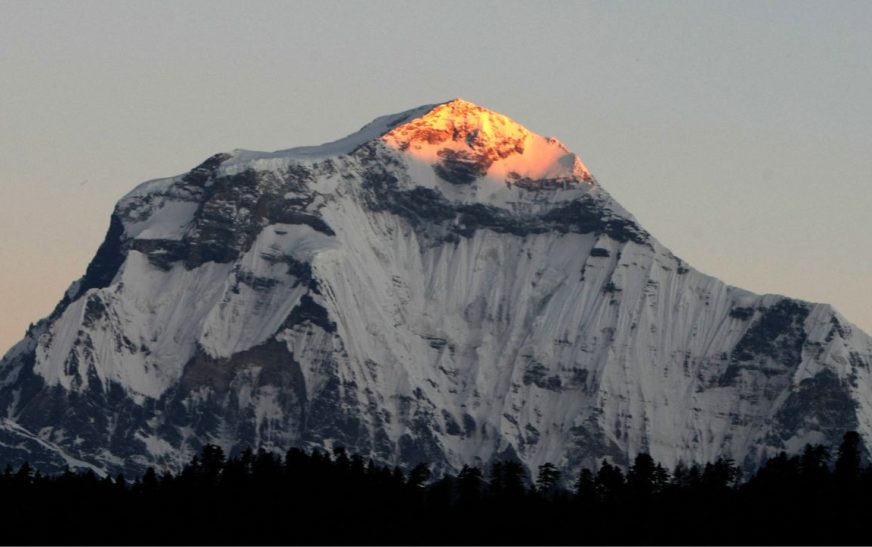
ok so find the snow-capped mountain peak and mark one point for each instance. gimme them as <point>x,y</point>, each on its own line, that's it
<point>443,285</point>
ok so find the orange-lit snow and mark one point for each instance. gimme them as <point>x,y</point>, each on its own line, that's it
<point>462,126</point>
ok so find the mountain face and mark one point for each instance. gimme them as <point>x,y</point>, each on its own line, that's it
<point>442,286</point>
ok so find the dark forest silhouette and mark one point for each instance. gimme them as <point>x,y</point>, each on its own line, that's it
<point>817,497</point>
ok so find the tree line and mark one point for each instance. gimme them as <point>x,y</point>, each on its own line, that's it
<point>313,497</point>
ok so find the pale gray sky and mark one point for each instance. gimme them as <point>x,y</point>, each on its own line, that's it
<point>738,133</point>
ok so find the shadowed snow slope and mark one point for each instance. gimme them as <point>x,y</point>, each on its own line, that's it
<point>442,286</point>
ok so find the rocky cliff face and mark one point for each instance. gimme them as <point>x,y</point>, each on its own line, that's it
<point>442,286</point>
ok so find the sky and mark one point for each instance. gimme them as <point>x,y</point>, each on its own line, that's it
<point>737,132</point>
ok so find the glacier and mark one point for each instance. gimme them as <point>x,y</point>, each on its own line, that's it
<point>443,286</point>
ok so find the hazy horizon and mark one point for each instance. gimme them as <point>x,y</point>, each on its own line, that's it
<point>737,133</point>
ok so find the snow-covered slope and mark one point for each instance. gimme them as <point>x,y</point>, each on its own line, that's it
<point>442,286</point>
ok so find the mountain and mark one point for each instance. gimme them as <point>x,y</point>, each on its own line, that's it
<point>442,286</point>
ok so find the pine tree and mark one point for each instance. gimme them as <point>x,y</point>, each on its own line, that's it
<point>681,475</point>
<point>211,461</point>
<point>340,458</point>
<point>661,479</point>
<point>547,478</point>
<point>814,466</point>
<point>419,475</point>
<point>24,475</point>
<point>609,482</point>
<point>694,476</point>
<point>585,488</point>
<point>721,474</point>
<point>514,479</point>
<point>496,484</point>
<point>149,480</point>
<point>120,483</point>
<point>357,466</point>
<point>640,478</point>
<point>397,477</point>
<point>848,460</point>
<point>469,484</point>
